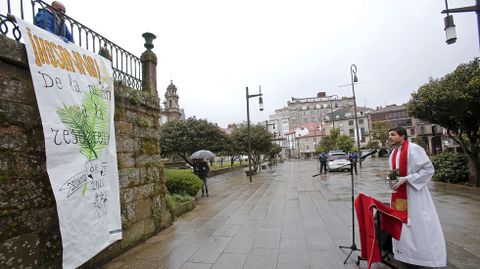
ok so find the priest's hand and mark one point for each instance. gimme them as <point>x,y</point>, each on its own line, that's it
<point>401,180</point>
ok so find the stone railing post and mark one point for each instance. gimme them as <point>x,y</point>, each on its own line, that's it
<point>149,65</point>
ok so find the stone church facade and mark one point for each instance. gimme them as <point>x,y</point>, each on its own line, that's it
<point>171,110</point>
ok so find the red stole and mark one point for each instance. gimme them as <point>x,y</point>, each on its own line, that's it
<point>399,199</point>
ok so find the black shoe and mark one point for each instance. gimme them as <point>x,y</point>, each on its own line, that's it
<point>207,194</point>
<point>204,194</point>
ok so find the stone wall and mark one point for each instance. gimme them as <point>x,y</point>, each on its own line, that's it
<point>29,229</point>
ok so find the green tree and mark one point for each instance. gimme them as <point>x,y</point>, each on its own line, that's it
<point>328,142</point>
<point>183,138</point>
<point>261,140</point>
<point>454,103</point>
<point>335,141</point>
<point>345,143</point>
<point>275,150</point>
<point>380,131</point>
<point>232,149</point>
<point>373,144</point>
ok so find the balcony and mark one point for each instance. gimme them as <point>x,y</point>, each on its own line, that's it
<point>127,67</point>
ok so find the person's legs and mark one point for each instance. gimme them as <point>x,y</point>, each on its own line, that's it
<point>203,187</point>
<point>205,184</point>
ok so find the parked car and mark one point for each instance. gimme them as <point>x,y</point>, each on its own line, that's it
<point>338,161</point>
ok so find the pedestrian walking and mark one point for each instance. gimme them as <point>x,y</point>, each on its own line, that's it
<point>323,162</point>
<point>202,172</point>
<point>353,157</point>
<point>421,241</point>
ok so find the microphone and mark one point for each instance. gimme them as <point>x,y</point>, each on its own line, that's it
<point>363,157</point>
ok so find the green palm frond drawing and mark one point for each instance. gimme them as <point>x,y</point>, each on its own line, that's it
<point>89,123</point>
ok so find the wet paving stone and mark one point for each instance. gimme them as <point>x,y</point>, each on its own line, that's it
<point>286,218</point>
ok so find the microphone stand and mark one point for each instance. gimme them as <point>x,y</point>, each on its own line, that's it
<point>353,246</point>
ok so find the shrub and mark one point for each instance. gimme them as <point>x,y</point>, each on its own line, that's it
<point>450,167</point>
<point>182,181</point>
<point>174,199</point>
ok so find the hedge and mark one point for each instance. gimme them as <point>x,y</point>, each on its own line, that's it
<point>450,167</point>
<point>182,181</point>
<point>173,200</point>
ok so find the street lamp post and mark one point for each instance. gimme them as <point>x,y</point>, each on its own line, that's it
<point>353,76</point>
<point>260,102</point>
<point>331,109</point>
<point>450,25</point>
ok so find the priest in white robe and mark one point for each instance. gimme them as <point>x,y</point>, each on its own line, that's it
<point>422,241</point>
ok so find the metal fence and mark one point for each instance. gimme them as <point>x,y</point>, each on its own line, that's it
<point>126,66</point>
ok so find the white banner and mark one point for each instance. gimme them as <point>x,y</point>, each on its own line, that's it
<point>74,90</point>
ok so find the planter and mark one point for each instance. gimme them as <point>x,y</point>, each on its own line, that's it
<point>182,208</point>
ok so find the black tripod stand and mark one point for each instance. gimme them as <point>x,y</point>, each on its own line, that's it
<point>353,246</point>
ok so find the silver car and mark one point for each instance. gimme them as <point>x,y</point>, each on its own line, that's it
<point>338,161</point>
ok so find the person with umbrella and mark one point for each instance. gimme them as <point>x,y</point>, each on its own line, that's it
<point>201,167</point>
<point>201,170</point>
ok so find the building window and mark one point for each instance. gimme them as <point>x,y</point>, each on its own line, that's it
<point>348,114</point>
<point>360,121</point>
<point>350,122</point>
<point>340,124</point>
<point>351,132</point>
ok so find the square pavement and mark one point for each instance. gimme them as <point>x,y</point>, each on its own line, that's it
<point>286,218</point>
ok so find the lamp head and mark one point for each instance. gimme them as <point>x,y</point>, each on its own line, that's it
<point>450,35</point>
<point>260,103</point>
<point>353,70</point>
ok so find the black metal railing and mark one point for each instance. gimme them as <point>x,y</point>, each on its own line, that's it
<point>126,66</point>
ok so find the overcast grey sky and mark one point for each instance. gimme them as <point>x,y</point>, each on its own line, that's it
<point>213,49</point>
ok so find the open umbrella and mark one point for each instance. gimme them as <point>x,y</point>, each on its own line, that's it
<point>202,154</point>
